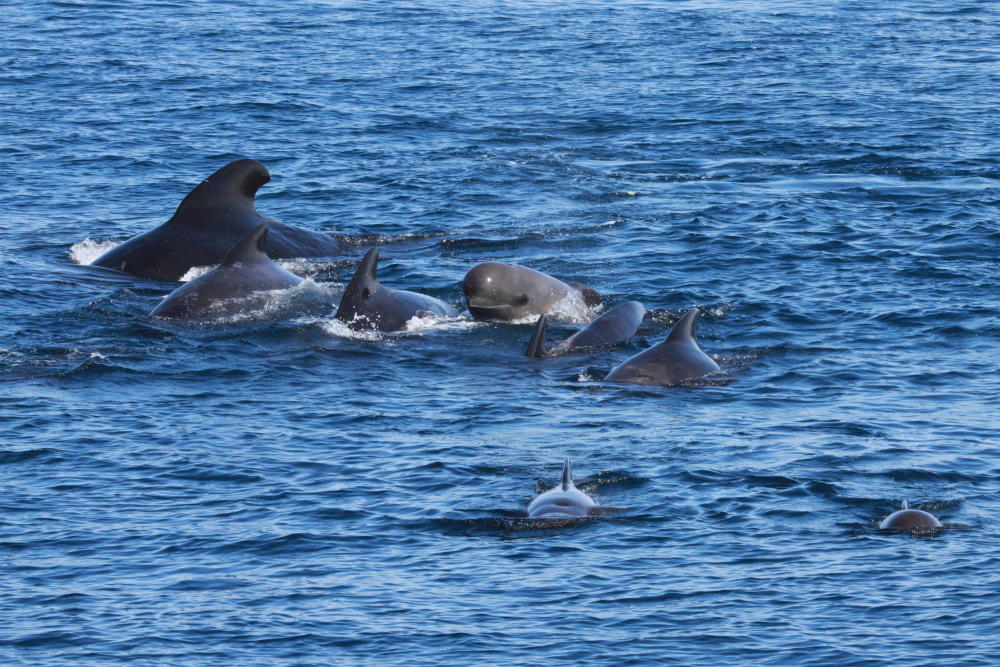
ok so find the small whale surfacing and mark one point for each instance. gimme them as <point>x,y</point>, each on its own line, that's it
<point>564,501</point>
<point>906,519</point>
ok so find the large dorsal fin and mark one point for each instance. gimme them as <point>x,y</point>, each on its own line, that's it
<point>367,270</point>
<point>233,186</point>
<point>249,249</point>
<point>567,476</point>
<point>685,328</point>
<point>536,346</point>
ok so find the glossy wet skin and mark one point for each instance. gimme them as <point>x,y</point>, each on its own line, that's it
<point>368,304</point>
<point>614,326</point>
<point>910,519</point>
<point>224,289</point>
<point>502,292</point>
<point>562,501</point>
<point>675,360</point>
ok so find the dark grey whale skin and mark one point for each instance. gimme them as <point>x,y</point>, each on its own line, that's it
<point>224,290</point>
<point>614,326</point>
<point>675,360</point>
<point>210,220</point>
<point>908,519</point>
<point>501,292</point>
<point>367,304</point>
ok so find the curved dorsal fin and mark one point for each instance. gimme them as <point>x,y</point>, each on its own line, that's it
<point>536,346</point>
<point>249,249</point>
<point>232,186</point>
<point>685,328</point>
<point>567,476</point>
<point>367,269</point>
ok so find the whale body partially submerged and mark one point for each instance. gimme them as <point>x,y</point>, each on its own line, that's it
<point>614,326</point>
<point>675,360</point>
<point>564,501</point>
<point>368,304</point>
<point>225,290</point>
<point>906,519</point>
<point>210,220</point>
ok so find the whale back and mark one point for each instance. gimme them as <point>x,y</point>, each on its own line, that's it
<point>210,219</point>
<point>673,361</point>
<point>225,289</point>
<point>249,249</point>
<point>909,519</point>
<point>564,501</point>
<point>368,304</point>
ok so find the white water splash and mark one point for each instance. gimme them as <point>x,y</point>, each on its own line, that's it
<point>416,325</point>
<point>438,323</point>
<point>87,250</point>
<point>271,304</point>
<point>194,272</point>
<point>570,308</point>
<point>337,328</point>
<point>303,267</point>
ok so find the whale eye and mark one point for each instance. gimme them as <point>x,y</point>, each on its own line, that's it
<point>522,300</point>
<point>365,293</point>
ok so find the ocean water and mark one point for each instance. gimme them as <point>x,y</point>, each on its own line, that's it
<point>821,179</point>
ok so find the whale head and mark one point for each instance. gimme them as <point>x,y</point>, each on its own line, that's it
<point>564,501</point>
<point>495,290</point>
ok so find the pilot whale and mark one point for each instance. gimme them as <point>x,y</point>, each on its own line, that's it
<point>907,519</point>
<point>209,221</point>
<point>564,501</point>
<point>501,292</point>
<point>612,327</point>
<point>368,304</point>
<point>675,360</point>
<point>246,269</point>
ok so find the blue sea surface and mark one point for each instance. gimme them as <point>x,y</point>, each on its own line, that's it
<point>822,180</point>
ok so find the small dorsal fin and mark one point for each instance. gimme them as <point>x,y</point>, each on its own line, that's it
<point>233,186</point>
<point>250,248</point>
<point>906,505</point>
<point>567,476</point>
<point>536,346</point>
<point>685,328</point>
